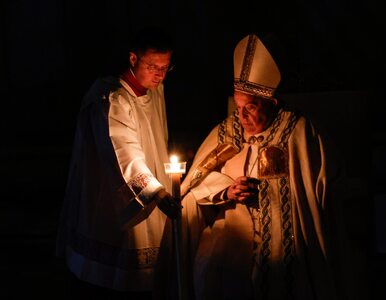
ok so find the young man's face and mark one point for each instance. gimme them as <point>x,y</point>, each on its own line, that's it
<point>254,112</point>
<point>150,68</point>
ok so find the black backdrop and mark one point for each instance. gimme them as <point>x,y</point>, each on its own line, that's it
<point>52,50</point>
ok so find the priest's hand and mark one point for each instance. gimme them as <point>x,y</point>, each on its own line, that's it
<point>167,204</point>
<point>244,189</point>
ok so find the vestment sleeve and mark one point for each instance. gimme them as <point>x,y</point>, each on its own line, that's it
<point>123,130</point>
<point>211,186</point>
<point>214,183</point>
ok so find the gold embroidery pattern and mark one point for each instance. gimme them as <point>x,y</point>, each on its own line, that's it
<point>266,233</point>
<point>287,233</point>
<point>286,218</point>
<point>112,256</point>
<point>286,210</point>
<point>212,162</point>
<point>291,125</point>
<point>248,58</point>
<point>243,84</point>
<point>230,131</point>
<point>222,131</point>
<point>281,169</point>
<point>275,127</point>
<point>273,159</point>
<point>265,215</point>
<point>254,88</point>
<point>238,133</point>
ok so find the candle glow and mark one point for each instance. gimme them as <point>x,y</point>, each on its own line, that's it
<point>174,167</point>
<point>174,159</point>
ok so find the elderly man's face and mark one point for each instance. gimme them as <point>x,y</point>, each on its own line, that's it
<point>255,112</point>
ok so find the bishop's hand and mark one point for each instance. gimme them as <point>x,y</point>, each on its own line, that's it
<point>245,189</point>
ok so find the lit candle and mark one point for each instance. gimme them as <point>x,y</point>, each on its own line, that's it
<point>175,170</point>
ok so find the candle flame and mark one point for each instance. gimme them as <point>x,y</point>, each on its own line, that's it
<point>175,167</point>
<point>174,159</point>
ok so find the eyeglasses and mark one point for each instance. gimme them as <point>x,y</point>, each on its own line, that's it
<point>154,69</point>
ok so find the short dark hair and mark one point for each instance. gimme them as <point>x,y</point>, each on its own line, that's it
<point>151,38</point>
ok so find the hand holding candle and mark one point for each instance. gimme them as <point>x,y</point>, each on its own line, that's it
<point>169,204</point>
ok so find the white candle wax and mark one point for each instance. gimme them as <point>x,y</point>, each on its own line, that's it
<point>175,169</point>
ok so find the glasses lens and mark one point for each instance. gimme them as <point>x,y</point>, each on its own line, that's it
<point>153,68</point>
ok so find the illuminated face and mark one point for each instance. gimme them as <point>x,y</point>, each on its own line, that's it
<point>150,68</point>
<point>255,112</point>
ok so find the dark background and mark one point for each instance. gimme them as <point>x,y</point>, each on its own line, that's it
<point>332,63</point>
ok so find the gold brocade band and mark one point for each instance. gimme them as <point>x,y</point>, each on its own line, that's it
<point>253,88</point>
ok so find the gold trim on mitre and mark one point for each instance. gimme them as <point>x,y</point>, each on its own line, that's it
<point>255,71</point>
